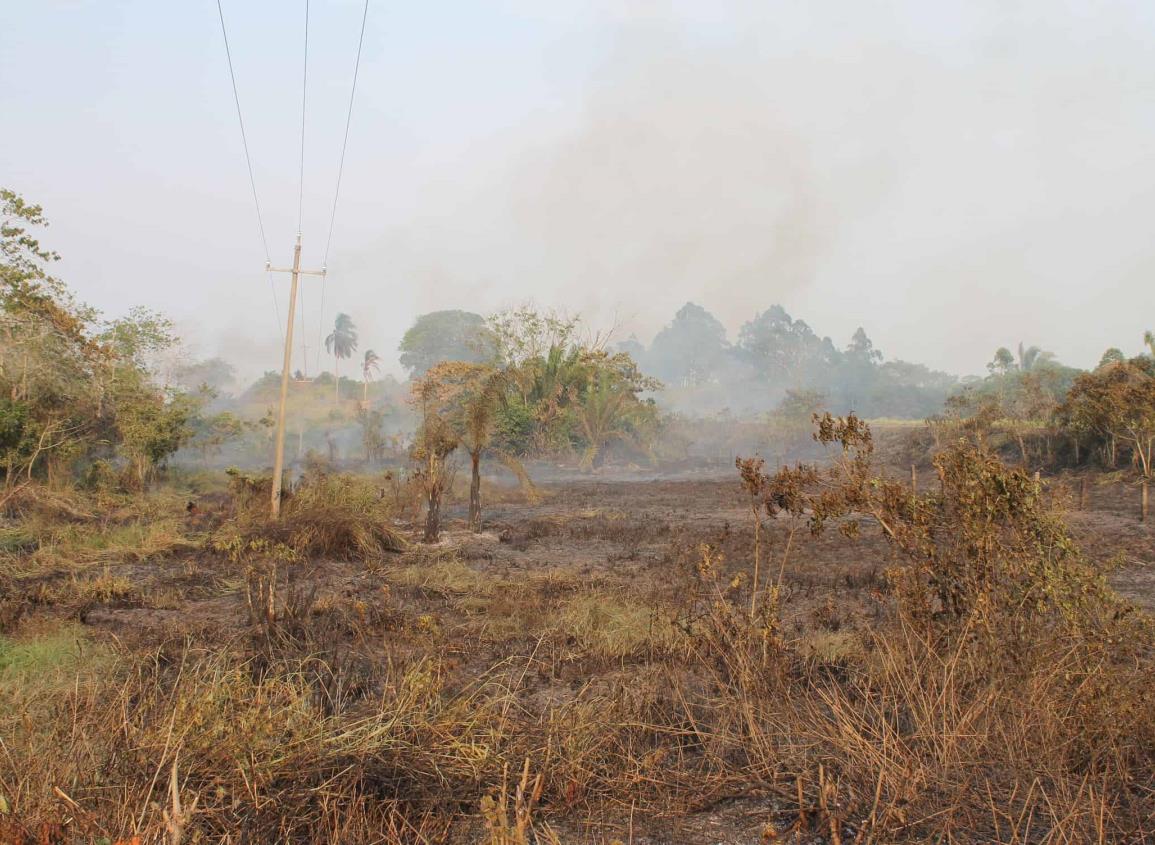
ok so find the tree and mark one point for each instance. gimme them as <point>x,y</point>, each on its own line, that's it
<point>609,408</point>
<point>153,424</point>
<point>342,342</point>
<point>76,385</point>
<point>792,421</point>
<point>51,369</point>
<point>1002,363</point>
<point>1033,356</point>
<point>861,348</point>
<point>370,364</point>
<point>471,396</point>
<point>434,443</point>
<point>691,350</point>
<point>214,373</point>
<point>1112,356</point>
<point>522,334</point>
<point>445,336</point>
<point>785,353</point>
<point>210,433</point>
<point>1118,403</point>
<point>372,423</point>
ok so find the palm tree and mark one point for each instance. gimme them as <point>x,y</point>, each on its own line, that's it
<point>470,398</point>
<point>370,364</point>
<point>480,405</point>
<point>342,342</point>
<point>602,417</point>
<point>1030,357</point>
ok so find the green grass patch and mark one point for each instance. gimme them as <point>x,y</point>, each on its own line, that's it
<point>47,659</point>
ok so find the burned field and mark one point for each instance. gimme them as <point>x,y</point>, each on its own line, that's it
<point>591,667</point>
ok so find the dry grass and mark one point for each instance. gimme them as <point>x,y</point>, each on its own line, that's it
<point>402,703</point>
<point>327,516</point>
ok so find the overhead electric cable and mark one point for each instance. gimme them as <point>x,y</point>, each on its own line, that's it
<point>249,165</point>
<point>304,91</point>
<point>340,172</point>
<point>301,184</point>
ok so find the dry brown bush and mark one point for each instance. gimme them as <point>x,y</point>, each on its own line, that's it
<point>326,516</point>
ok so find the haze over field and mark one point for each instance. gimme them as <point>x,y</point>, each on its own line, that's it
<point>951,179</point>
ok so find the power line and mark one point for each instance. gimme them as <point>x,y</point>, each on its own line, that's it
<point>304,91</point>
<point>340,172</point>
<point>249,165</point>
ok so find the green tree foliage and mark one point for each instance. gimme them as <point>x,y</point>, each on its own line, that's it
<point>445,336</point>
<point>341,343</point>
<point>211,432</point>
<point>370,365</point>
<point>76,387</point>
<point>563,396</point>
<point>523,334</point>
<point>1002,363</point>
<point>470,397</point>
<point>1112,356</point>
<point>609,408</point>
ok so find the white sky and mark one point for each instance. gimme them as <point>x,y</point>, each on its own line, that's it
<point>953,177</point>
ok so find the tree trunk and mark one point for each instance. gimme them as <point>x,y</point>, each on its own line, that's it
<point>475,492</point>
<point>336,379</point>
<point>1143,511</point>
<point>433,515</point>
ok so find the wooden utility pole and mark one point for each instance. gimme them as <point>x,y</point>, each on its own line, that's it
<point>279,457</point>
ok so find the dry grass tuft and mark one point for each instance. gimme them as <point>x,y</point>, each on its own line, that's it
<point>327,516</point>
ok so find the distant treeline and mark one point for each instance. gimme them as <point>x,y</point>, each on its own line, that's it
<point>704,373</point>
<point>774,353</point>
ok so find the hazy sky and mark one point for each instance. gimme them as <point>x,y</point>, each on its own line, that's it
<point>952,176</point>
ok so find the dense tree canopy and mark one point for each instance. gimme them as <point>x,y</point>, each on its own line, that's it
<point>776,353</point>
<point>691,350</point>
<point>445,336</point>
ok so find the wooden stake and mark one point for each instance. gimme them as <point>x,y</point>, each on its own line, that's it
<point>913,478</point>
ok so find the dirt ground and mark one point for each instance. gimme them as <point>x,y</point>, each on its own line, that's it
<point>638,534</point>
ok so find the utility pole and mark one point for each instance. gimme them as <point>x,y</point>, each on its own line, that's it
<point>279,457</point>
